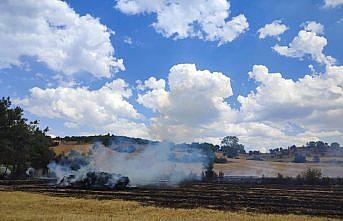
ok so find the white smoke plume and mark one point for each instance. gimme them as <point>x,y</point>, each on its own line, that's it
<point>156,162</point>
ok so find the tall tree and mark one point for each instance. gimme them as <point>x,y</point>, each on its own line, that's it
<point>230,141</point>
<point>231,147</point>
<point>22,144</point>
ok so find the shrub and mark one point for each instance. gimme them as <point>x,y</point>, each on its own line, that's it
<point>298,158</point>
<point>311,175</point>
<point>231,152</point>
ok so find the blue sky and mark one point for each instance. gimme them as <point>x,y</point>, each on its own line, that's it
<point>151,53</point>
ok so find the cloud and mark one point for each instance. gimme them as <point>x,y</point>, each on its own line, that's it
<point>151,83</point>
<point>307,43</point>
<point>128,40</point>
<point>313,26</point>
<point>53,33</point>
<point>104,110</point>
<point>203,19</point>
<point>191,106</point>
<point>280,99</point>
<point>332,3</point>
<point>195,98</point>
<point>280,112</point>
<point>274,29</point>
<point>312,102</point>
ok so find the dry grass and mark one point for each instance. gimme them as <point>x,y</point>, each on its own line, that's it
<point>66,148</point>
<point>241,167</point>
<point>29,206</point>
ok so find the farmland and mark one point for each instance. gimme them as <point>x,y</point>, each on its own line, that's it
<point>242,167</point>
<point>329,165</point>
<point>215,198</point>
<point>321,201</point>
<point>28,206</point>
<point>66,148</point>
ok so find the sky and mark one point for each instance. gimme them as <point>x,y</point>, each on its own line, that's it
<point>268,72</point>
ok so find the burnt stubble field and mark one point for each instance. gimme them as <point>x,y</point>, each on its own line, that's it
<point>314,200</point>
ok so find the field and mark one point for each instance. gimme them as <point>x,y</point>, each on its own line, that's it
<point>242,167</point>
<point>198,200</point>
<point>65,148</point>
<point>214,200</point>
<point>29,206</point>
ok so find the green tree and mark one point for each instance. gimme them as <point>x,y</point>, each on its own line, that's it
<point>231,147</point>
<point>335,145</point>
<point>13,134</point>
<point>5,148</point>
<point>39,152</point>
<point>230,141</point>
<point>22,144</point>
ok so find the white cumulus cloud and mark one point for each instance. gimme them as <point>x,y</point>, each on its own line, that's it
<point>332,3</point>
<point>274,29</point>
<point>191,106</point>
<point>151,83</point>
<point>195,98</point>
<point>313,26</point>
<point>312,102</point>
<point>53,33</point>
<point>105,110</point>
<point>308,42</point>
<point>203,19</point>
<point>280,112</point>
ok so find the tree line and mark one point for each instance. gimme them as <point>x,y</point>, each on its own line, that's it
<point>23,144</point>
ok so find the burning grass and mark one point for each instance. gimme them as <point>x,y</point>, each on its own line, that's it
<point>29,206</point>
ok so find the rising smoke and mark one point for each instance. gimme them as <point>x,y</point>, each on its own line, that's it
<point>149,165</point>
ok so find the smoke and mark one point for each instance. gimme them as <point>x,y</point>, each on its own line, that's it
<point>4,171</point>
<point>144,166</point>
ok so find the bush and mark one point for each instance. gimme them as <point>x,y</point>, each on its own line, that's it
<point>298,158</point>
<point>231,152</point>
<point>312,175</point>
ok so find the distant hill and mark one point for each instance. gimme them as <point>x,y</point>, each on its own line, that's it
<point>104,139</point>
<point>82,144</point>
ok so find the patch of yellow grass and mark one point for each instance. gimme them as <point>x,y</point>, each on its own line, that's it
<point>66,148</point>
<point>29,206</point>
<point>243,167</point>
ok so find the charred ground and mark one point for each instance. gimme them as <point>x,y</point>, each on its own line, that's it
<point>316,200</point>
